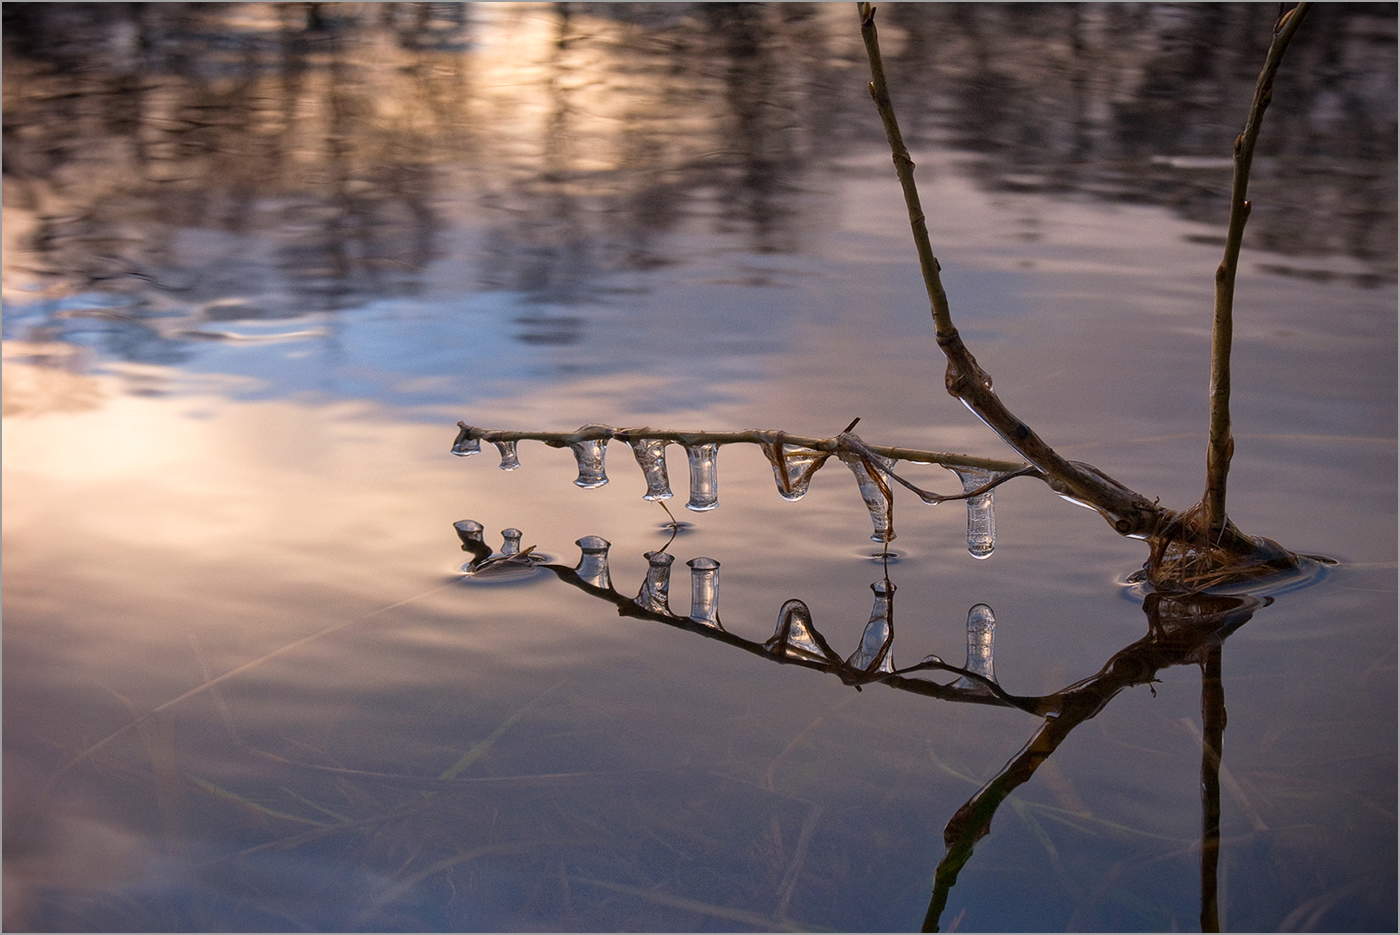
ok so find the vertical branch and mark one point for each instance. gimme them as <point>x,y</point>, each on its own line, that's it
<point>1212,743</point>
<point>904,168</point>
<point>1222,445</point>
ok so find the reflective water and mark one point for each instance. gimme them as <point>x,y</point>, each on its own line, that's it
<point>259,259</point>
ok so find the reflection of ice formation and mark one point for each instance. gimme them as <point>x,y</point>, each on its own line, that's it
<point>981,627</point>
<point>704,591</point>
<point>592,567</point>
<point>876,650</point>
<point>657,584</point>
<point>794,635</point>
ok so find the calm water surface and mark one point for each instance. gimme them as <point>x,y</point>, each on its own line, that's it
<point>259,259</point>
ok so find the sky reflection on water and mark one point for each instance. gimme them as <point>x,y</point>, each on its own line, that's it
<point>257,263</point>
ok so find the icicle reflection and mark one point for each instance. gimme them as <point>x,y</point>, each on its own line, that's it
<point>470,532</point>
<point>981,519</point>
<point>704,484</point>
<point>592,567</point>
<point>794,635</point>
<point>590,454</point>
<point>793,468</point>
<point>510,461</point>
<point>651,458</point>
<point>877,498</point>
<point>657,585</point>
<point>876,652</point>
<point>704,591</point>
<point>981,630</point>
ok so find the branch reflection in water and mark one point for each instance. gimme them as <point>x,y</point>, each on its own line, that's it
<point>1181,630</point>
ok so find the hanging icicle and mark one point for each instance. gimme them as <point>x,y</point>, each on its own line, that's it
<point>793,467</point>
<point>981,520</point>
<point>651,458</point>
<point>704,482</point>
<point>590,454</point>
<point>465,444</point>
<point>509,460</point>
<point>876,493</point>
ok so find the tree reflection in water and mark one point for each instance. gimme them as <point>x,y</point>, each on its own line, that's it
<point>1182,629</point>
<point>165,149</point>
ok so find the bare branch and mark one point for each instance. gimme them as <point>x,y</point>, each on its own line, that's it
<point>766,438</point>
<point>1221,446</point>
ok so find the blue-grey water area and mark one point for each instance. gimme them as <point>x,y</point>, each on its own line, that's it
<point>259,260</point>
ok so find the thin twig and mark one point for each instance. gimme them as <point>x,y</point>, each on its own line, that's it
<point>928,496</point>
<point>1222,445</point>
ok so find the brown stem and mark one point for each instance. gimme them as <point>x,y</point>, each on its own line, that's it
<point>1222,445</point>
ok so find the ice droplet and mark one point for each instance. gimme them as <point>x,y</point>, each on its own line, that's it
<point>592,567</point>
<point>466,444</point>
<point>704,591</point>
<point>510,541</point>
<point>981,627</point>
<point>793,467</point>
<point>704,482</point>
<point>510,461</point>
<point>589,454</point>
<point>657,584</point>
<point>794,635</point>
<point>876,652</point>
<point>880,506</point>
<point>981,519</point>
<point>651,458</point>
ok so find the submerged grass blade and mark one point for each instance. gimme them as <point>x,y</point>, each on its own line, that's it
<point>219,792</point>
<point>206,685</point>
<point>408,779</point>
<point>401,887</point>
<point>799,859</point>
<point>482,747</point>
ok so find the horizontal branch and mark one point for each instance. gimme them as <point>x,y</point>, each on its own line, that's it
<point>995,696</point>
<point>768,437</point>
